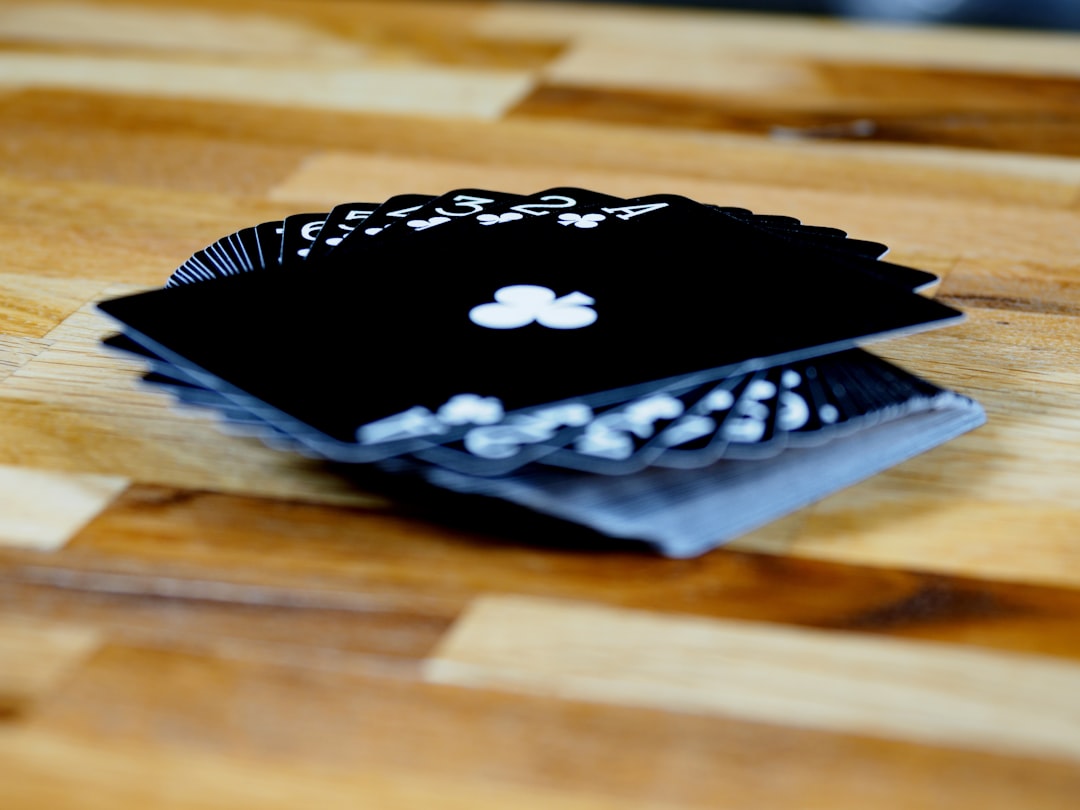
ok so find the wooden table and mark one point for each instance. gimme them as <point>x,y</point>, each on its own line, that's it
<point>193,620</point>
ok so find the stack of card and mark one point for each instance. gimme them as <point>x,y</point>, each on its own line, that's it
<point>652,368</point>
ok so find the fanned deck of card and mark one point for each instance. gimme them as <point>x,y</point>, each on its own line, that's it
<point>654,368</point>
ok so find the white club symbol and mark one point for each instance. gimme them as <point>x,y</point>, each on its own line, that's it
<point>495,219</point>
<point>579,221</point>
<point>521,304</point>
<point>424,224</point>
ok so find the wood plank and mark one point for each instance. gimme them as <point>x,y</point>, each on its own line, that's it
<point>569,148</point>
<point>331,721</point>
<point>35,657</point>
<point>256,622</point>
<point>177,29</point>
<point>172,162</point>
<point>942,228</point>
<point>156,542</point>
<point>731,169</point>
<point>1013,284</point>
<point>581,24</point>
<point>119,234</point>
<point>752,79</point>
<point>799,113</point>
<point>43,509</point>
<point>813,679</point>
<point>15,351</point>
<point>59,771</point>
<point>463,92</point>
<point>31,306</point>
<point>439,33</point>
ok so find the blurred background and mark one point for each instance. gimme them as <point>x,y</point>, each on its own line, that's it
<point>1063,14</point>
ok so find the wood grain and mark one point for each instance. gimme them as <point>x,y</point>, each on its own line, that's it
<point>62,771</point>
<point>161,543</point>
<point>585,27</point>
<point>36,655</point>
<point>190,619</point>
<point>44,509</point>
<point>796,677</point>
<point>347,725</point>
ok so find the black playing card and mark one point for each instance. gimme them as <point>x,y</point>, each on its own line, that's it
<point>459,325</point>
<point>244,247</point>
<point>473,203</point>
<point>268,236</point>
<point>485,208</point>
<point>199,267</point>
<point>297,233</point>
<point>480,331</point>
<point>684,428</point>
<point>537,436</point>
<point>188,392</point>
<point>458,204</point>
<point>255,248</point>
<point>340,222</point>
<point>684,513</point>
<point>543,435</point>
<point>395,210</point>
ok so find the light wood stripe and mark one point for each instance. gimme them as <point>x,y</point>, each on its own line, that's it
<point>929,224</point>
<point>323,711</point>
<point>457,92</point>
<point>15,351</point>
<point>42,510</point>
<point>333,176</point>
<point>810,678</point>
<point>173,29</point>
<point>129,233</point>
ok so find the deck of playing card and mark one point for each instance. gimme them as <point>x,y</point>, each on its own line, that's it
<point>653,368</point>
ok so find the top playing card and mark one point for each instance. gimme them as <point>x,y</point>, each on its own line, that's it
<point>463,322</point>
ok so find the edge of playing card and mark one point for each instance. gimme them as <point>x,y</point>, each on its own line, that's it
<point>715,491</point>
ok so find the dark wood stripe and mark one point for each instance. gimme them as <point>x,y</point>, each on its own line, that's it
<point>350,561</point>
<point>1026,304</point>
<point>865,103</point>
